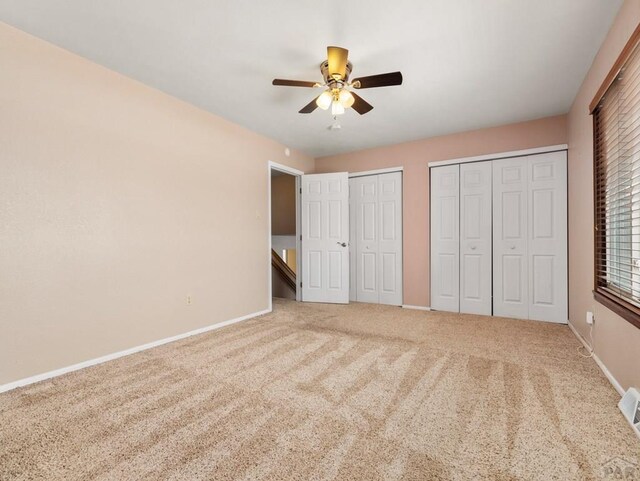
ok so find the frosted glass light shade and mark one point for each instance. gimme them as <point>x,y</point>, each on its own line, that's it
<point>346,98</point>
<point>324,100</point>
<point>337,108</point>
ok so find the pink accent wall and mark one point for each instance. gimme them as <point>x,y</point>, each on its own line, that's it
<point>414,157</point>
<point>617,342</point>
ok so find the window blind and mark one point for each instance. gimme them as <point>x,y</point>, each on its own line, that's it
<point>617,187</point>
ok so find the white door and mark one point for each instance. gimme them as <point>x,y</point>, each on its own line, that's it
<point>376,246</point>
<point>390,238</point>
<point>325,238</point>
<point>548,290</point>
<point>367,238</point>
<point>475,238</point>
<point>510,262</point>
<point>353,267</point>
<point>445,238</point>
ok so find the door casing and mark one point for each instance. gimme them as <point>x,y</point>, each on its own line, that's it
<point>296,173</point>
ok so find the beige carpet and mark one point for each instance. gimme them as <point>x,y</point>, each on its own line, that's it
<point>318,392</point>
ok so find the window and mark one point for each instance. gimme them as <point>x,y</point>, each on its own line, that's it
<point>616,130</point>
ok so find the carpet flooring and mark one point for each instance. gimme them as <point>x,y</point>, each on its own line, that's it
<point>322,392</point>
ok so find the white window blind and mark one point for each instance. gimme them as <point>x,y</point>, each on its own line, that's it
<point>617,185</point>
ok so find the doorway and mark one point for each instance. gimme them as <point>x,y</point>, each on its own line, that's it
<point>284,232</point>
<point>344,246</point>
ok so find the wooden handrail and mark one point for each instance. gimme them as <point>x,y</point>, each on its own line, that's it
<point>283,269</point>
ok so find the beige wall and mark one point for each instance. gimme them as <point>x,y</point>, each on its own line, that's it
<point>116,203</point>
<point>283,205</point>
<point>617,343</point>
<point>414,156</point>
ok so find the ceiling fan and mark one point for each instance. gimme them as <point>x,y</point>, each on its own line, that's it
<point>338,94</point>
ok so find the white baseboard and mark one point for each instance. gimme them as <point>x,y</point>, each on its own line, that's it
<point>600,364</point>
<point>126,352</point>
<point>417,308</point>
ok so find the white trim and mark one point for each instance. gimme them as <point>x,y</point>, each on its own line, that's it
<point>298,238</point>
<point>126,352</point>
<point>417,308</point>
<point>376,171</point>
<point>284,168</point>
<point>600,364</point>
<point>297,174</point>
<point>501,155</point>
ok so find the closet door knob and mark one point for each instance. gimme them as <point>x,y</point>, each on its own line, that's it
<point>473,248</point>
<point>512,247</point>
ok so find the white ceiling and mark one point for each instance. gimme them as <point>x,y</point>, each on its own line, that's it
<point>467,64</point>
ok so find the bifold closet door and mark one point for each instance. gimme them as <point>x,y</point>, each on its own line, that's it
<point>376,202</point>
<point>390,235</point>
<point>445,238</point>
<point>510,266</point>
<point>365,199</point>
<point>530,237</point>
<point>475,238</point>
<point>547,205</point>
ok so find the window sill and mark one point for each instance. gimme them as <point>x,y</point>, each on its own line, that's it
<point>623,309</point>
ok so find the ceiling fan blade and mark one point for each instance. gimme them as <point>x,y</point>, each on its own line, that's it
<point>380,80</point>
<point>337,59</point>
<point>294,83</point>
<point>360,105</point>
<point>310,107</point>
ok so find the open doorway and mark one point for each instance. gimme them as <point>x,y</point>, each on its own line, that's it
<point>284,232</point>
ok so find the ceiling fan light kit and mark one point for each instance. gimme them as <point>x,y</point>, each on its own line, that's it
<point>335,71</point>
<point>346,98</point>
<point>337,108</point>
<point>324,100</point>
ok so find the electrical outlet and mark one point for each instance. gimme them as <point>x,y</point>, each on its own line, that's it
<point>590,317</point>
<point>188,299</point>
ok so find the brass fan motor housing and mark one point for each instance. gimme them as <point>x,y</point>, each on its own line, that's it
<point>324,68</point>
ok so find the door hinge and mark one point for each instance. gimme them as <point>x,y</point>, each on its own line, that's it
<point>301,190</point>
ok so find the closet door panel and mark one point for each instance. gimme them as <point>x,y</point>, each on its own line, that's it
<point>445,238</point>
<point>353,220</point>
<point>548,290</point>
<point>475,238</point>
<point>510,263</point>
<point>367,239</point>
<point>390,238</point>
